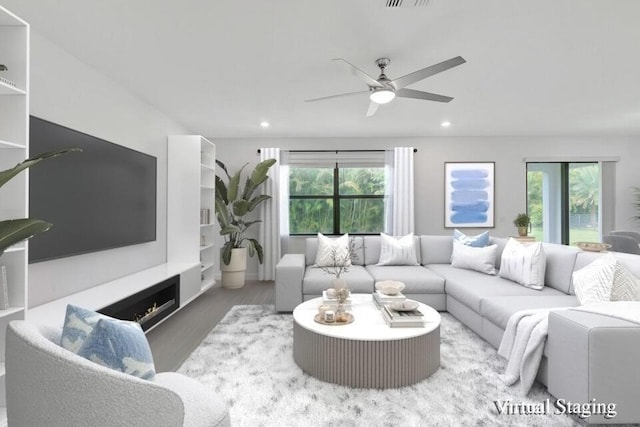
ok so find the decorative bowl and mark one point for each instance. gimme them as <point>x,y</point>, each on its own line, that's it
<point>593,246</point>
<point>390,287</point>
<point>406,305</point>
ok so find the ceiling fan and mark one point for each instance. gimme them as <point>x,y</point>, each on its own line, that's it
<point>382,90</point>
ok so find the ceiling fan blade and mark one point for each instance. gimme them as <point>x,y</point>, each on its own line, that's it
<point>416,76</point>
<point>370,81</point>
<point>373,107</point>
<point>418,94</point>
<point>337,96</point>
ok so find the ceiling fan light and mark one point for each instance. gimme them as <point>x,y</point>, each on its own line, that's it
<point>382,96</point>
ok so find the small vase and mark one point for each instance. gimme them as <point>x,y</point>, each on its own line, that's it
<point>523,231</point>
<point>339,283</point>
<point>341,314</point>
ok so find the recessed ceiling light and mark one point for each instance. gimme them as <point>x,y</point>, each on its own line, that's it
<point>445,124</point>
<point>264,124</point>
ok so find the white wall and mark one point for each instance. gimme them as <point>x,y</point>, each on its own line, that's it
<point>508,153</point>
<point>68,92</point>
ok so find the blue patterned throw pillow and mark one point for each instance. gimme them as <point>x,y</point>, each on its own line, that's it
<point>120,345</point>
<point>78,324</point>
<point>479,241</point>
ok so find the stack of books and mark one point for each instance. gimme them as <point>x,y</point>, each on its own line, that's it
<point>402,319</point>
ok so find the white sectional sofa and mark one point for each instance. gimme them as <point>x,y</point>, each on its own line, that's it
<point>587,356</point>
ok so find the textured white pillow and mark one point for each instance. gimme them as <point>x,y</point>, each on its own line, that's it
<point>332,252</point>
<point>524,264</point>
<point>397,251</point>
<point>593,282</point>
<point>472,258</point>
<point>626,286</point>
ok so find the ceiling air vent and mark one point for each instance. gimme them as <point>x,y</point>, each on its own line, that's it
<point>405,3</point>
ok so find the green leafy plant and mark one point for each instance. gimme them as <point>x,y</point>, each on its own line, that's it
<point>522,220</point>
<point>13,231</point>
<point>233,204</point>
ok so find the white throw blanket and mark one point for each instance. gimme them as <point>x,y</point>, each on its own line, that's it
<point>522,345</point>
<point>526,333</point>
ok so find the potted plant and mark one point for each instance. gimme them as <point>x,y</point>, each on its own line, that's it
<point>13,231</point>
<point>522,221</point>
<point>233,205</point>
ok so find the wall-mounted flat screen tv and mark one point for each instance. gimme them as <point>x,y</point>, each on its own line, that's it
<point>103,197</point>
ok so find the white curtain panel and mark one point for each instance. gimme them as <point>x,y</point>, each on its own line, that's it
<point>269,228</point>
<point>399,202</point>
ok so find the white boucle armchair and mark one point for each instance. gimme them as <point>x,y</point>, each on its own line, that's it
<point>47,385</point>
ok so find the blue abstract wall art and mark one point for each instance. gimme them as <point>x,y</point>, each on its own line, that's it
<point>469,194</point>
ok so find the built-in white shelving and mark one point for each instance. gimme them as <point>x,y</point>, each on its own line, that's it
<point>14,148</point>
<point>191,208</point>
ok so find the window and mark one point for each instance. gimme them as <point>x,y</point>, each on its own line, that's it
<point>563,201</point>
<point>345,197</point>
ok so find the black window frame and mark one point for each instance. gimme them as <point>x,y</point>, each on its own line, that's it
<point>336,198</point>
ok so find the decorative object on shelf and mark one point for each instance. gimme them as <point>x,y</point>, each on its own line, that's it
<point>593,246</point>
<point>469,194</point>
<point>13,231</point>
<point>4,288</point>
<point>522,221</point>
<point>233,204</point>
<point>390,287</point>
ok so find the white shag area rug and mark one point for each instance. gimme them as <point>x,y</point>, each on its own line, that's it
<point>247,359</point>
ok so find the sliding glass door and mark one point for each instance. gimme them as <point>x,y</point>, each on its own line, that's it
<point>563,201</point>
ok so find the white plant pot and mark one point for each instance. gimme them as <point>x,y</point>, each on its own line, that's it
<point>339,283</point>
<point>233,273</point>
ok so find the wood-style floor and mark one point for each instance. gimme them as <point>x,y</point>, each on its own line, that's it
<point>175,338</point>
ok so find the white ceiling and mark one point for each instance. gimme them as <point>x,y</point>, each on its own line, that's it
<point>546,67</point>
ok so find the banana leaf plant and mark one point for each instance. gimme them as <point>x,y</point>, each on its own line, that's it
<point>233,204</point>
<point>13,231</point>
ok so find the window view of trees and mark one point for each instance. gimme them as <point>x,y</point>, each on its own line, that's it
<point>583,192</point>
<point>336,200</point>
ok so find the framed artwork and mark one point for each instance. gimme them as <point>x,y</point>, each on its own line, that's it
<point>469,194</point>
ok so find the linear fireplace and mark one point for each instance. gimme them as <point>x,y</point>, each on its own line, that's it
<point>150,306</point>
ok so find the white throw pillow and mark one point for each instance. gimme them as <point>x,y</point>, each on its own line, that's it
<point>472,258</point>
<point>400,251</point>
<point>524,264</point>
<point>626,286</point>
<point>333,252</point>
<point>593,282</point>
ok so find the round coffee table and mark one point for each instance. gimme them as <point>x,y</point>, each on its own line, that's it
<point>366,353</point>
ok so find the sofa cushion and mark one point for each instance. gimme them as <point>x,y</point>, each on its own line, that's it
<point>630,261</point>
<point>372,249</point>
<point>561,260</point>
<point>470,287</point>
<point>120,345</point>
<point>315,280</point>
<point>524,264</point>
<point>311,249</point>
<point>417,279</point>
<point>397,251</point>
<point>436,249</point>
<point>481,259</point>
<point>479,241</point>
<point>499,309</point>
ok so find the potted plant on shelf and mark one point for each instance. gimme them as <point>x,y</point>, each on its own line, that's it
<point>233,205</point>
<point>522,221</point>
<point>13,231</point>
